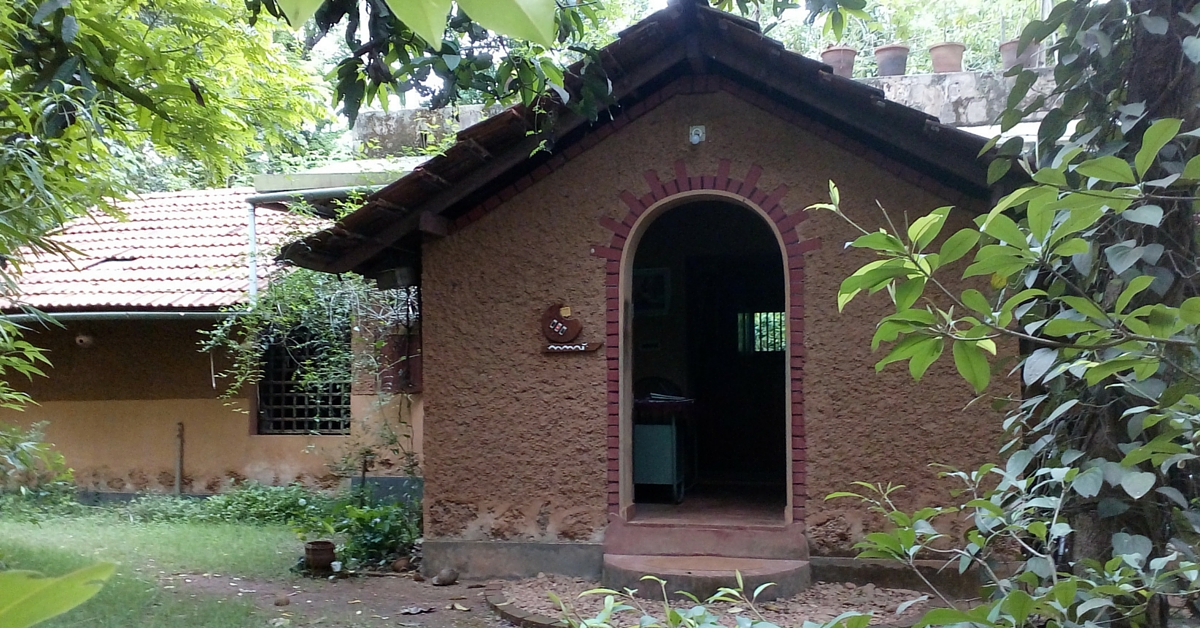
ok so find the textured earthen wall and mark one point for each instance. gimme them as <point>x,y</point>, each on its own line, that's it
<point>516,439</point>
<point>114,407</point>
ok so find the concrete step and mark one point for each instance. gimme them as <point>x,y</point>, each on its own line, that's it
<point>703,575</point>
<point>781,542</point>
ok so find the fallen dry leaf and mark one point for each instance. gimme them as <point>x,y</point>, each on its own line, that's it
<point>416,610</point>
<point>459,607</point>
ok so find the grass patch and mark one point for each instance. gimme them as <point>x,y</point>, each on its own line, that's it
<point>248,551</point>
<point>132,598</point>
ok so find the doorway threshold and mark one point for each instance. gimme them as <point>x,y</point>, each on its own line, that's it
<point>703,512</point>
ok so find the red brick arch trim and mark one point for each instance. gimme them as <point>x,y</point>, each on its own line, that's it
<point>771,201</point>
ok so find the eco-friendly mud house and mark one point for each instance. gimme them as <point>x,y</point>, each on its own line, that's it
<point>631,340</point>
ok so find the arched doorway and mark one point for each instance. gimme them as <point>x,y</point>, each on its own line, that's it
<point>708,348</point>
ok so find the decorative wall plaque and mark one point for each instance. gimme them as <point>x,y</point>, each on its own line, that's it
<point>561,330</point>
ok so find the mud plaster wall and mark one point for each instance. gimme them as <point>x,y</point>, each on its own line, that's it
<point>113,409</point>
<point>515,440</point>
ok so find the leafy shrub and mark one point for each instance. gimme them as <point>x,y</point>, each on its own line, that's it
<point>256,503</point>
<point>379,532</point>
<point>165,509</point>
<point>251,503</point>
<point>373,530</point>
<point>34,478</point>
<point>28,463</point>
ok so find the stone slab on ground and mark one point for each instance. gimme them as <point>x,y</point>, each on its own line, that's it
<point>703,576</point>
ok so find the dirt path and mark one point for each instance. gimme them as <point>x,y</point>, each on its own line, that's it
<point>354,602</point>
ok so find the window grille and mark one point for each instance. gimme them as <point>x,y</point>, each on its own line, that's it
<point>288,406</point>
<point>761,331</point>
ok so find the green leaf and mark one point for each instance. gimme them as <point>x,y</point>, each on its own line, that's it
<point>1138,484</point>
<point>1108,168</point>
<point>926,228</point>
<point>1051,176</point>
<point>880,241</point>
<point>1004,229</point>
<point>944,617</point>
<point>27,598</point>
<point>426,18</point>
<point>1025,80</point>
<point>1191,48</point>
<point>1098,373</point>
<point>1136,285</point>
<point>1154,24</point>
<point>1091,605</point>
<point>1192,170</point>
<point>971,364</point>
<point>998,168</point>
<point>1087,307</point>
<point>298,12</point>
<point>1146,215</point>
<point>1088,483</point>
<point>1189,311</point>
<point>975,300</point>
<point>1153,140</point>
<point>925,354</point>
<point>531,20</point>
<point>907,292</point>
<point>1079,219</point>
<point>988,145</point>
<point>1074,246</point>
<point>958,245</point>
<point>1019,604</point>
<point>1038,364</point>
<point>902,351</point>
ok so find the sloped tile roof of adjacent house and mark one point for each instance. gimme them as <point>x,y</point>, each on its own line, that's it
<point>169,251</point>
<point>686,47</point>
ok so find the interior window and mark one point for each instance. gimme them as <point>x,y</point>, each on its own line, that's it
<point>760,331</point>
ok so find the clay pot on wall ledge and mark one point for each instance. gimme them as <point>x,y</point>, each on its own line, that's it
<point>1009,56</point>
<point>947,56</point>
<point>892,59</point>
<point>841,59</point>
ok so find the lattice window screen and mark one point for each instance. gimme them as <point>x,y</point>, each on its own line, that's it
<point>286,406</point>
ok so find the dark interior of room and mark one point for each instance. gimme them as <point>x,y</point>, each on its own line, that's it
<point>709,362</point>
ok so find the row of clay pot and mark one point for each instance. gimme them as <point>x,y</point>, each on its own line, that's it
<point>892,59</point>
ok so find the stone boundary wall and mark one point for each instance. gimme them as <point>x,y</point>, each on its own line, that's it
<point>958,99</point>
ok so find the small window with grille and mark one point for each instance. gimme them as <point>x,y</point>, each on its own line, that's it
<point>761,331</point>
<point>287,405</point>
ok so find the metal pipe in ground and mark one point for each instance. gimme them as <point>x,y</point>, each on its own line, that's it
<point>179,458</point>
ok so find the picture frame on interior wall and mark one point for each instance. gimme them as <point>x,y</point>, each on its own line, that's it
<point>651,291</point>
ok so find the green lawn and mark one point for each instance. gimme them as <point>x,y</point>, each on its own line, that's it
<point>132,598</point>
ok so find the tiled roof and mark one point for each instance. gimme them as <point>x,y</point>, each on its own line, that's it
<point>173,250</point>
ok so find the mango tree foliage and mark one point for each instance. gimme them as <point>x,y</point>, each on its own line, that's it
<point>1082,289</point>
<point>86,83</point>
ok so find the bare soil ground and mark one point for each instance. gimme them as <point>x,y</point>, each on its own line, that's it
<point>821,603</point>
<point>400,601</point>
<point>352,602</point>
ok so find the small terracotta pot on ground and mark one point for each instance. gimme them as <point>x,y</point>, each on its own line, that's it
<point>319,556</point>
<point>1009,56</point>
<point>892,59</point>
<point>947,56</point>
<point>841,59</point>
